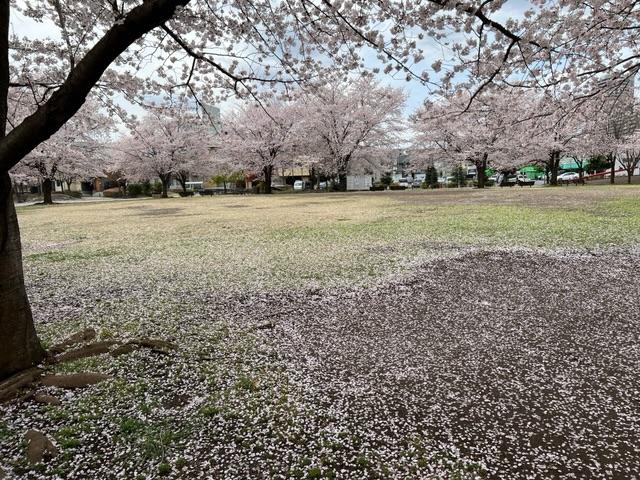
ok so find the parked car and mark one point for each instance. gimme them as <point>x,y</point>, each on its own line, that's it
<point>301,185</point>
<point>323,185</point>
<point>568,177</point>
<point>404,182</point>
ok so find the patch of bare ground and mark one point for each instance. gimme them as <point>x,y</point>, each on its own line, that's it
<point>522,364</point>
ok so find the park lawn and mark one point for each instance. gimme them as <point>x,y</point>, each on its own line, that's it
<point>291,240</point>
<point>206,273</point>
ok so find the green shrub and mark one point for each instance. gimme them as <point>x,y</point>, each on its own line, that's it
<point>146,188</point>
<point>135,189</point>
<point>156,188</point>
<point>395,186</point>
<point>386,180</point>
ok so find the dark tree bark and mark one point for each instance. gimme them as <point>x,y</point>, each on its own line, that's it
<point>47,189</point>
<point>612,161</point>
<point>343,168</point>
<point>268,174</point>
<point>165,180</point>
<point>554,166</point>
<point>182,180</point>
<point>20,346</point>
<point>629,164</point>
<point>313,178</point>
<point>342,182</point>
<point>481,166</point>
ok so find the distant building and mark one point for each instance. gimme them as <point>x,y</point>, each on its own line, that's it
<point>212,114</point>
<point>359,182</point>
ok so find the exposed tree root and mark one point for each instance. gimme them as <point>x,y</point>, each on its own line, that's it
<point>14,385</point>
<point>90,350</point>
<point>28,380</point>
<point>85,335</point>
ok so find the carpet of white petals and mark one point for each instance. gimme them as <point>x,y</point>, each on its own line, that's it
<point>468,362</point>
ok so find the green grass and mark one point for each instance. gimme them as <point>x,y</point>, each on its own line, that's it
<point>66,256</point>
<point>296,240</point>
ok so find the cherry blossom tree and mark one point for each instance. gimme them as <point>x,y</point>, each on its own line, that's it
<point>593,137</point>
<point>484,134</point>
<point>555,127</point>
<point>628,151</point>
<point>71,153</point>
<point>261,137</point>
<point>348,122</point>
<point>548,131</point>
<point>169,142</point>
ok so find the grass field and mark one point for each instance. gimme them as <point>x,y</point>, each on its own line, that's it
<point>389,319</point>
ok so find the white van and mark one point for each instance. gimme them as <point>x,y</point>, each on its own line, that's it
<point>299,185</point>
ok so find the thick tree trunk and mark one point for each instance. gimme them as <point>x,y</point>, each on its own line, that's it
<point>165,185</point>
<point>554,165</point>
<point>182,177</point>
<point>629,175</point>
<point>612,178</point>
<point>19,344</point>
<point>343,168</point>
<point>47,188</point>
<point>268,173</point>
<point>313,178</point>
<point>481,166</point>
